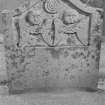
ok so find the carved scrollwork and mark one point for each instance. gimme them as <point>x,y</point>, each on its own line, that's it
<point>50,6</point>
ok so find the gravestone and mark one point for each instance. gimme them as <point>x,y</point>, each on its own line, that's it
<point>52,45</point>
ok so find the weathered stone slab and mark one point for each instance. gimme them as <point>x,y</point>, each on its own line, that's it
<point>52,45</point>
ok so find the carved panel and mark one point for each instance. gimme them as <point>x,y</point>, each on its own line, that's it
<point>51,23</point>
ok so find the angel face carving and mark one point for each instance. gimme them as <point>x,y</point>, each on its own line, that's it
<point>32,18</point>
<point>70,17</point>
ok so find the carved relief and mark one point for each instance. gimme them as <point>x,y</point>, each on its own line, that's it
<point>55,29</point>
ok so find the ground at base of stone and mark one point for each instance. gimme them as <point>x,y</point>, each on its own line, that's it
<point>72,97</point>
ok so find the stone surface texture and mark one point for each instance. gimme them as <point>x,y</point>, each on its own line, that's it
<point>71,98</point>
